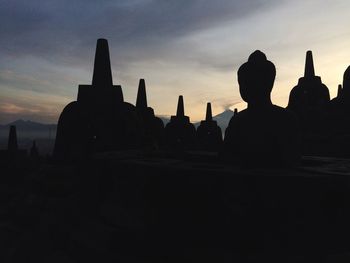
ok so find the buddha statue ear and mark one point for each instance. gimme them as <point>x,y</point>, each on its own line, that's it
<point>242,81</point>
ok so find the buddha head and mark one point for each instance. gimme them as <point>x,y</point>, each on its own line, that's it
<point>346,80</point>
<point>256,78</point>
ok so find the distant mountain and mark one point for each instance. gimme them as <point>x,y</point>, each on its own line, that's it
<point>222,119</point>
<point>29,125</point>
<point>33,130</point>
<point>27,131</point>
<point>30,129</point>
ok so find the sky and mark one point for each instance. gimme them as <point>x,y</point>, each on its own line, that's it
<point>180,47</point>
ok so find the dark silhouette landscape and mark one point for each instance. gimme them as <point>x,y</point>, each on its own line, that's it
<point>120,185</point>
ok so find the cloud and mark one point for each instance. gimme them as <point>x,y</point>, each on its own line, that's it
<point>30,105</point>
<point>50,28</point>
<point>12,111</point>
<point>181,47</point>
<point>8,77</point>
<point>10,108</point>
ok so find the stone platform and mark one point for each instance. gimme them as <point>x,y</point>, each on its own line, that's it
<point>133,207</point>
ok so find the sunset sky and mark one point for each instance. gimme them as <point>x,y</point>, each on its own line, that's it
<point>181,47</point>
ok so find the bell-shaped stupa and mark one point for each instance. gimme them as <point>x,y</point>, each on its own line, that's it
<point>209,135</point>
<point>180,133</point>
<point>99,120</point>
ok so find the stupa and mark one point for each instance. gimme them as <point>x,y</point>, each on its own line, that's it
<point>209,135</point>
<point>309,99</point>
<point>99,120</point>
<point>180,133</point>
<point>152,126</point>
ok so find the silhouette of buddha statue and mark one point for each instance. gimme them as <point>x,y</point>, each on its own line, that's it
<point>152,126</point>
<point>263,134</point>
<point>343,95</point>
<point>339,119</point>
<point>209,136</point>
<point>99,120</point>
<point>180,134</point>
<point>346,80</point>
